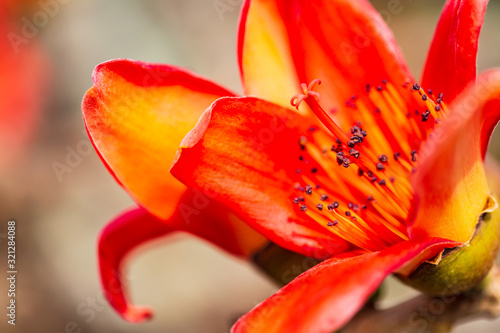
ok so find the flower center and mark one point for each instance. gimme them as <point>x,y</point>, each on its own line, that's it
<point>359,186</point>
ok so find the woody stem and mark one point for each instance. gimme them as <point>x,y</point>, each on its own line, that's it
<point>432,314</point>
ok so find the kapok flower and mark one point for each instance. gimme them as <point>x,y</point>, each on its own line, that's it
<point>372,172</point>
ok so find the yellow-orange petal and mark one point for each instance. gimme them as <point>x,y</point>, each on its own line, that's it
<point>137,114</point>
<point>450,183</point>
<point>266,64</point>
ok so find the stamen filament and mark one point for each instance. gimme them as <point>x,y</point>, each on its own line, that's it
<point>372,168</point>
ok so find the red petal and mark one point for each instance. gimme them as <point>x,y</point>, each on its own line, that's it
<point>347,45</point>
<point>197,215</point>
<point>327,296</point>
<point>266,64</point>
<point>244,150</point>
<point>136,115</point>
<point>116,240</point>
<point>451,62</point>
<point>450,183</point>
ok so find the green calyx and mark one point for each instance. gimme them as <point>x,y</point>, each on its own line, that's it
<point>463,268</point>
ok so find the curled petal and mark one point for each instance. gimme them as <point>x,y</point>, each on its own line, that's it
<point>117,239</point>
<point>197,215</point>
<point>450,183</point>
<point>451,62</point>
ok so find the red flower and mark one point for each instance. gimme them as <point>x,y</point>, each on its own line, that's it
<point>372,173</point>
<point>22,81</point>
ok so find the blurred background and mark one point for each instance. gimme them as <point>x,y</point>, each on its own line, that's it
<point>191,286</point>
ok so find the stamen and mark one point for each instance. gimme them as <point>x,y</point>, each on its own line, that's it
<point>308,189</point>
<point>372,167</point>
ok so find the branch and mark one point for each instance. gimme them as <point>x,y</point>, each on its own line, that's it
<point>425,314</point>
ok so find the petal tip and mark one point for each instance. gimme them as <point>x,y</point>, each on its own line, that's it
<point>137,314</point>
